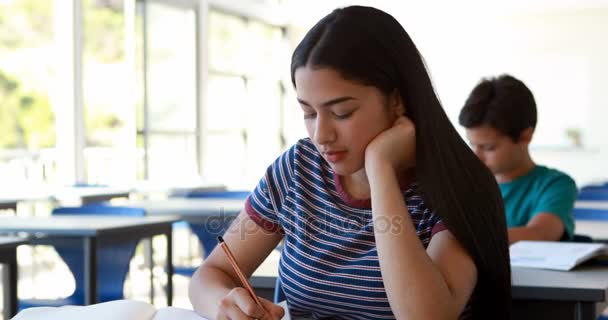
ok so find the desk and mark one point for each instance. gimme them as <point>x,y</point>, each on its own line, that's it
<point>195,210</point>
<point>87,195</point>
<point>8,257</point>
<point>95,231</point>
<point>84,195</point>
<point>207,216</point>
<point>598,230</point>
<point>151,189</point>
<point>580,294</point>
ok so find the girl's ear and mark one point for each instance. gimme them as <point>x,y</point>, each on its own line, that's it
<point>396,104</point>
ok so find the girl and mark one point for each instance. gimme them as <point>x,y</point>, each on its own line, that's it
<point>385,212</point>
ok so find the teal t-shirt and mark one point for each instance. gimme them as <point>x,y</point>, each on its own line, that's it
<point>541,190</point>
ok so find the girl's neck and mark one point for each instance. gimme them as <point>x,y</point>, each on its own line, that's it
<point>357,185</point>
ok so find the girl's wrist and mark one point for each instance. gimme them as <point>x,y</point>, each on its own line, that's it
<point>377,167</point>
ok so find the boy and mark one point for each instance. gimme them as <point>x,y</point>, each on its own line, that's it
<point>500,116</point>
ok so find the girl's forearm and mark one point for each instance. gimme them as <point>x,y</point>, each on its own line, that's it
<point>414,285</point>
<point>207,286</point>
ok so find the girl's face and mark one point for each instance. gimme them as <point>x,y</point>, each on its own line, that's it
<point>341,116</point>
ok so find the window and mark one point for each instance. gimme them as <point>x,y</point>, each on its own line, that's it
<point>167,125</point>
<point>107,87</point>
<point>27,71</point>
<point>243,119</point>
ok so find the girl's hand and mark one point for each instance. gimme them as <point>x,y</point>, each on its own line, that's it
<point>395,146</point>
<point>238,304</point>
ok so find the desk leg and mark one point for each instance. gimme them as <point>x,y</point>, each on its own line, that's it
<point>9,275</point>
<point>90,270</point>
<point>585,310</point>
<point>169,266</point>
<point>149,261</point>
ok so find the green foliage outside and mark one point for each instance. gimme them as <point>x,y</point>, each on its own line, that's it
<point>26,117</point>
<point>103,29</point>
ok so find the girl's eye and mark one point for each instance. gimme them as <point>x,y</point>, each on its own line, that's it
<point>310,115</point>
<point>343,115</point>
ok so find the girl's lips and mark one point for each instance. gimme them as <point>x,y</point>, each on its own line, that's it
<point>335,156</point>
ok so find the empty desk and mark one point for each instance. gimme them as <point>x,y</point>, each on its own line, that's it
<point>194,210</point>
<point>94,232</point>
<point>8,257</point>
<point>89,194</point>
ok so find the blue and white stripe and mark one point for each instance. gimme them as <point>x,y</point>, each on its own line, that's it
<point>329,264</point>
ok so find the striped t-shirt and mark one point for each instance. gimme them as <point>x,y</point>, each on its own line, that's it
<point>329,264</point>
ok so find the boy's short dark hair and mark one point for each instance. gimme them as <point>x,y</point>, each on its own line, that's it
<point>503,103</point>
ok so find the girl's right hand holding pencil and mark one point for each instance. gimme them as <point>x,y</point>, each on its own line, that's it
<point>238,304</point>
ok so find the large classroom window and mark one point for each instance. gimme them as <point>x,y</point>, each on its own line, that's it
<point>243,128</point>
<point>107,90</point>
<point>110,91</point>
<point>167,121</point>
<point>27,72</point>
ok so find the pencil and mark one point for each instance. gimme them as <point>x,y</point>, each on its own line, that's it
<point>238,271</point>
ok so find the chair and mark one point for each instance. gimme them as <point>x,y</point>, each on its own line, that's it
<point>208,238</point>
<point>593,194</point>
<point>590,214</point>
<point>113,258</point>
<point>581,238</point>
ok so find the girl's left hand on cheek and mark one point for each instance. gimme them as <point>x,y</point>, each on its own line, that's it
<point>395,146</point>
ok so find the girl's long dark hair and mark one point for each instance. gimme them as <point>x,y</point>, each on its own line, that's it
<point>369,46</point>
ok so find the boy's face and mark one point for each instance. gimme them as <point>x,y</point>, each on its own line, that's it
<point>497,150</point>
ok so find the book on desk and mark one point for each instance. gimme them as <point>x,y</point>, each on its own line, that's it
<point>554,255</point>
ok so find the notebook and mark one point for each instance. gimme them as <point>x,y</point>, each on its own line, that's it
<point>554,255</point>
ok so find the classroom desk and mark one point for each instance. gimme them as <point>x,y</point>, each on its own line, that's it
<point>195,210</point>
<point>8,257</point>
<point>207,213</point>
<point>92,194</point>
<point>580,294</point>
<point>11,197</point>
<point>537,294</point>
<point>95,231</point>
<point>155,189</point>
<point>84,195</point>
<point>598,230</point>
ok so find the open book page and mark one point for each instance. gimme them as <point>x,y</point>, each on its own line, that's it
<point>553,255</point>
<point>170,313</point>
<point>118,309</point>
